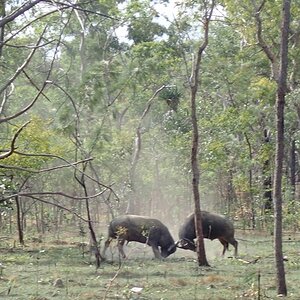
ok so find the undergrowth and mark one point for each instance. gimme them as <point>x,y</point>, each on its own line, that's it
<point>65,269</point>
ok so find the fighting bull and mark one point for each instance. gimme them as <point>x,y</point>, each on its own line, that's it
<point>140,229</point>
<point>214,226</point>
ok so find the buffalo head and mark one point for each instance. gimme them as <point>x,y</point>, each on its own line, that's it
<point>165,252</point>
<point>186,244</point>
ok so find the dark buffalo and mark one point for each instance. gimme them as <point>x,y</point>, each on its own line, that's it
<point>141,229</point>
<point>213,226</point>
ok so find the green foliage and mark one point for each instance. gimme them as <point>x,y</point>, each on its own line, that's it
<point>155,62</point>
<point>6,187</point>
<point>172,97</point>
<point>291,213</point>
<point>37,138</point>
<point>264,90</point>
<point>141,18</point>
<point>100,86</point>
<point>244,20</point>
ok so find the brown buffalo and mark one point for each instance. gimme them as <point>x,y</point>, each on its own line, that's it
<point>141,229</point>
<point>214,226</point>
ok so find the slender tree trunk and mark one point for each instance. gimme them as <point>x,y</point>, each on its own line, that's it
<point>2,29</point>
<point>250,182</point>
<point>37,220</point>
<point>267,181</point>
<point>94,246</point>
<point>194,82</point>
<point>23,215</point>
<point>293,168</point>
<point>230,195</point>
<point>133,206</point>
<point>43,227</point>
<point>19,222</point>
<point>202,260</point>
<point>279,155</point>
<point>10,222</point>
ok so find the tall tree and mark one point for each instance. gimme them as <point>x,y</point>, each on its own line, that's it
<point>279,154</point>
<point>194,84</point>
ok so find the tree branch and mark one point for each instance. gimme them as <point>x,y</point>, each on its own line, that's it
<point>196,66</point>
<point>77,7</point>
<point>50,194</point>
<point>261,41</point>
<point>138,145</point>
<point>59,206</point>
<point>25,63</point>
<point>18,12</point>
<point>45,82</point>
<point>73,165</point>
<point>13,141</point>
<point>44,170</point>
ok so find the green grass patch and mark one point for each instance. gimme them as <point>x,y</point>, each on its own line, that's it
<point>63,270</point>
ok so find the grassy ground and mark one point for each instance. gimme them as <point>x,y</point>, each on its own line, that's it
<point>56,269</point>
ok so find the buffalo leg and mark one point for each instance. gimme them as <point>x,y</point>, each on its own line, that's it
<point>156,252</point>
<point>234,243</point>
<point>225,246</point>
<point>106,245</point>
<point>120,247</point>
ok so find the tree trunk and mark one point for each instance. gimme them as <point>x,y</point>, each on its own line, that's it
<point>19,222</point>
<point>2,30</point>
<point>293,168</point>
<point>250,183</point>
<point>194,82</point>
<point>279,155</point>
<point>133,206</point>
<point>37,220</point>
<point>43,225</point>
<point>23,215</point>
<point>94,246</point>
<point>267,181</point>
<point>202,261</point>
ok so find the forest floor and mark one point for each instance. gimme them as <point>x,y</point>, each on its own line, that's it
<point>63,269</point>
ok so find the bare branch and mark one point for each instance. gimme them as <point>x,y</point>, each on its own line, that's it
<point>138,130</point>
<point>149,103</point>
<point>5,97</point>
<point>13,141</point>
<point>197,62</point>
<point>29,46</point>
<point>19,113</point>
<point>18,12</point>
<point>45,82</point>
<point>261,41</point>
<point>77,7</point>
<point>60,7</point>
<point>28,25</point>
<point>59,206</point>
<point>68,95</point>
<point>25,63</point>
<point>44,170</point>
<point>73,165</point>
<point>33,83</point>
<point>138,145</point>
<point>21,194</point>
<point>11,80</point>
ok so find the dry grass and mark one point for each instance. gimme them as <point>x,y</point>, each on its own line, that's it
<point>31,272</point>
